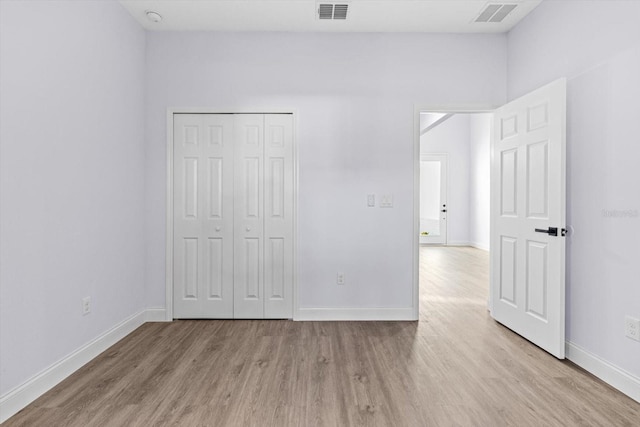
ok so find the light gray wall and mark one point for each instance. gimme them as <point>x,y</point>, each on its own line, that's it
<point>597,46</point>
<point>354,95</point>
<point>72,178</point>
<point>479,179</point>
<point>452,138</point>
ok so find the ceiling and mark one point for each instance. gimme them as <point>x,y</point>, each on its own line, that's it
<point>428,16</point>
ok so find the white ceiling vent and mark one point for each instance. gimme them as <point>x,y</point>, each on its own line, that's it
<point>332,11</point>
<point>495,12</point>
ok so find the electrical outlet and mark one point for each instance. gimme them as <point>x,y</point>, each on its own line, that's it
<point>340,279</point>
<point>86,305</point>
<point>632,328</point>
<point>371,200</point>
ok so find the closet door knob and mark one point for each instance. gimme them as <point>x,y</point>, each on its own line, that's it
<point>218,228</point>
<point>248,228</point>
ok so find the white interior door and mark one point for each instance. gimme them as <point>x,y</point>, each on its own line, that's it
<point>249,218</point>
<point>433,199</point>
<point>278,215</point>
<point>233,205</point>
<point>203,215</point>
<point>528,217</point>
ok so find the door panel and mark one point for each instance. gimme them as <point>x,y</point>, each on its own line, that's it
<point>203,195</point>
<point>278,221</point>
<point>215,268</point>
<point>248,217</point>
<point>191,267</point>
<point>528,193</point>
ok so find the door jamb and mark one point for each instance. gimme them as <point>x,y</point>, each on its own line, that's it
<point>169,195</point>
<point>417,109</point>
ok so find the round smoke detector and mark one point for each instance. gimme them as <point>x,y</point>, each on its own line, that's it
<point>153,16</point>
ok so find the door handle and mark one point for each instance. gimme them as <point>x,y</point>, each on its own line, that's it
<point>443,210</point>
<point>551,231</point>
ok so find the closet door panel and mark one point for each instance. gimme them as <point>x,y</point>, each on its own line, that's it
<point>249,216</point>
<point>278,217</point>
<point>203,216</point>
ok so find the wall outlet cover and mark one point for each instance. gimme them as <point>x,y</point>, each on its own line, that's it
<point>632,328</point>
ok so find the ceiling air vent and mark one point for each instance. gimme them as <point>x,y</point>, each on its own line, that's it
<point>495,12</point>
<point>332,11</point>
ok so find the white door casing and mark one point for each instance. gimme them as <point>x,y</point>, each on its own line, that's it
<point>433,167</point>
<point>528,194</point>
<point>233,205</point>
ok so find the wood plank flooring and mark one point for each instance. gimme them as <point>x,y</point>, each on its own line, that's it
<point>456,367</point>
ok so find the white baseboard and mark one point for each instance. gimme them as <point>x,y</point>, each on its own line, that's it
<point>460,243</point>
<point>156,315</point>
<point>611,374</point>
<point>15,400</point>
<point>336,314</point>
<point>479,246</point>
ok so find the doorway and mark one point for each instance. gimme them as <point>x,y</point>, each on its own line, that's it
<point>527,214</point>
<point>464,138</point>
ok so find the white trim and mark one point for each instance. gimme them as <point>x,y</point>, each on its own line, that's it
<point>457,243</point>
<point>417,108</point>
<point>296,303</point>
<point>606,371</point>
<point>15,400</point>
<point>169,201</point>
<point>479,246</point>
<point>168,280</point>
<point>158,314</point>
<point>346,314</point>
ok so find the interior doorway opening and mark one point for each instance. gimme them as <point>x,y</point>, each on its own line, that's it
<point>453,148</point>
<point>454,178</point>
<point>526,146</point>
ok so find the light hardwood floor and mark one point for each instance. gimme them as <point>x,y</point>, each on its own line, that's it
<point>454,367</point>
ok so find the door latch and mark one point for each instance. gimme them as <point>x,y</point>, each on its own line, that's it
<point>551,231</point>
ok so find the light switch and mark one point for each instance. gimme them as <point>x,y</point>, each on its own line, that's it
<point>386,201</point>
<point>371,200</point>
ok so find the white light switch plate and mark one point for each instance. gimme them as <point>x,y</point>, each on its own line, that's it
<point>386,201</point>
<point>371,200</point>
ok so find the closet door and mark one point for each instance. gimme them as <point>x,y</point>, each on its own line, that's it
<point>248,216</point>
<point>278,216</point>
<point>203,216</point>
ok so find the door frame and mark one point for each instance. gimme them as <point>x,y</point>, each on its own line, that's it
<point>169,195</point>
<point>428,108</point>
<point>443,157</point>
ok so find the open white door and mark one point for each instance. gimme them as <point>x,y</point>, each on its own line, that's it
<point>528,217</point>
<point>433,199</point>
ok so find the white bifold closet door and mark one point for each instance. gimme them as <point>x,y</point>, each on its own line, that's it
<point>233,216</point>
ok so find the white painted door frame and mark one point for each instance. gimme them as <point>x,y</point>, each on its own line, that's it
<point>169,195</point>
<point>417,109</point>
